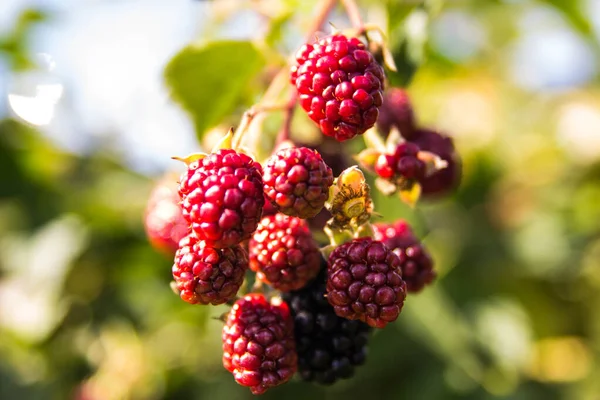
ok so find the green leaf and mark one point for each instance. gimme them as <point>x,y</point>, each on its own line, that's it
<point>397,11</point>
<point>572,11</point>
<point>277,28</point>
<point>409,51</point>
<point>209,80</point>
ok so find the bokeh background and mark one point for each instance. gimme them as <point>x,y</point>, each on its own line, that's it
<point>89,120</point>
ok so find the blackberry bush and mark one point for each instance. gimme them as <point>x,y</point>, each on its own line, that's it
<point>324,276</point>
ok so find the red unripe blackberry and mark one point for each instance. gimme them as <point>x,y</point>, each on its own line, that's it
<point>205,275</point>
<point>404,163</point>
<point>258,343</point>
<point>297,181</point>
<point>329,347</point>
<point>163,219</point>
<point>415,261</point>
<point>397,112</point>
<point>364,282</point>
<point>385,166</point>
<point>447,179</point>
<point>222,197</point>
<point>339,85</point>
<point>283,253</point>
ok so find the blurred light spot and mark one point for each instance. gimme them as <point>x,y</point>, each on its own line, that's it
<point>549,54</point>
<point>542,244</point>
<point>511,203</point>
<point>561,359</point>
<point>578,131</point>
<point>503,327</point>
<point>457,35</point>
<point>469,116</point>
<point>36,268</point>
<point>33,95</point>
<point>37,110</point>
<point>591,264</point>
<point>113,78</point>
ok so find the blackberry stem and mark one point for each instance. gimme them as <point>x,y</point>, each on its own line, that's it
<point>354,15</point>
<point>284,133</point>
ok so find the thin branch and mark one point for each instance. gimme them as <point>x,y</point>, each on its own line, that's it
<point>354,15</point>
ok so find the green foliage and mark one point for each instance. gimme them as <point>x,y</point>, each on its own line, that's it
<point>209,80</point>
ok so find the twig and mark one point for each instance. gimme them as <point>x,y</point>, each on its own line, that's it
<point>354,15</point>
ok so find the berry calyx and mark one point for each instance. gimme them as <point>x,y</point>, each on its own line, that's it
<point>258,343</point>
<point>329,347</point>
<point>283,253</point>
<point>415,261</point>
<point>163,219</point>
<point>205,275</point>
<point>339,85</point>
<point>222,197</point>
<point>364,282</point>
<point>297,181</point>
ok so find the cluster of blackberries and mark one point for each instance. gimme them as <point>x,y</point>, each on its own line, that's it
<point>238,215</point>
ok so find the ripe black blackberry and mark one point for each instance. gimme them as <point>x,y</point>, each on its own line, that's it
<point>329,347</point>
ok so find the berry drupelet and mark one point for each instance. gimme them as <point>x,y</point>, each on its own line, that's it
<point>415,261</point>
<point>222,197</point>
<point>364,282</point>
<point>329,347</point>
<point>205,275</point>
<point>283,253</point>
<point>339,85</point>
<point>258,343</point>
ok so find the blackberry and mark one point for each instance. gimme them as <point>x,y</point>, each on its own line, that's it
<point>445,180</point>
<point>339,85</point>
<point>364,282</point>
<point>415,261</point>
<point>397,111</point>
<point>297,181</point>
<point>283,253</point>
<point>163,219</point>
<point>205,275</point>
<point>329,347</point>
<point>258,343</point>
<point>222,197</point>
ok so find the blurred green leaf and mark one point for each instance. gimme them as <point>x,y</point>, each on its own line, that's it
<point>434,6</point>
<point>208,80</point>
<point>276,28</point>
<point>573,13</point>
<point>408,44</point>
